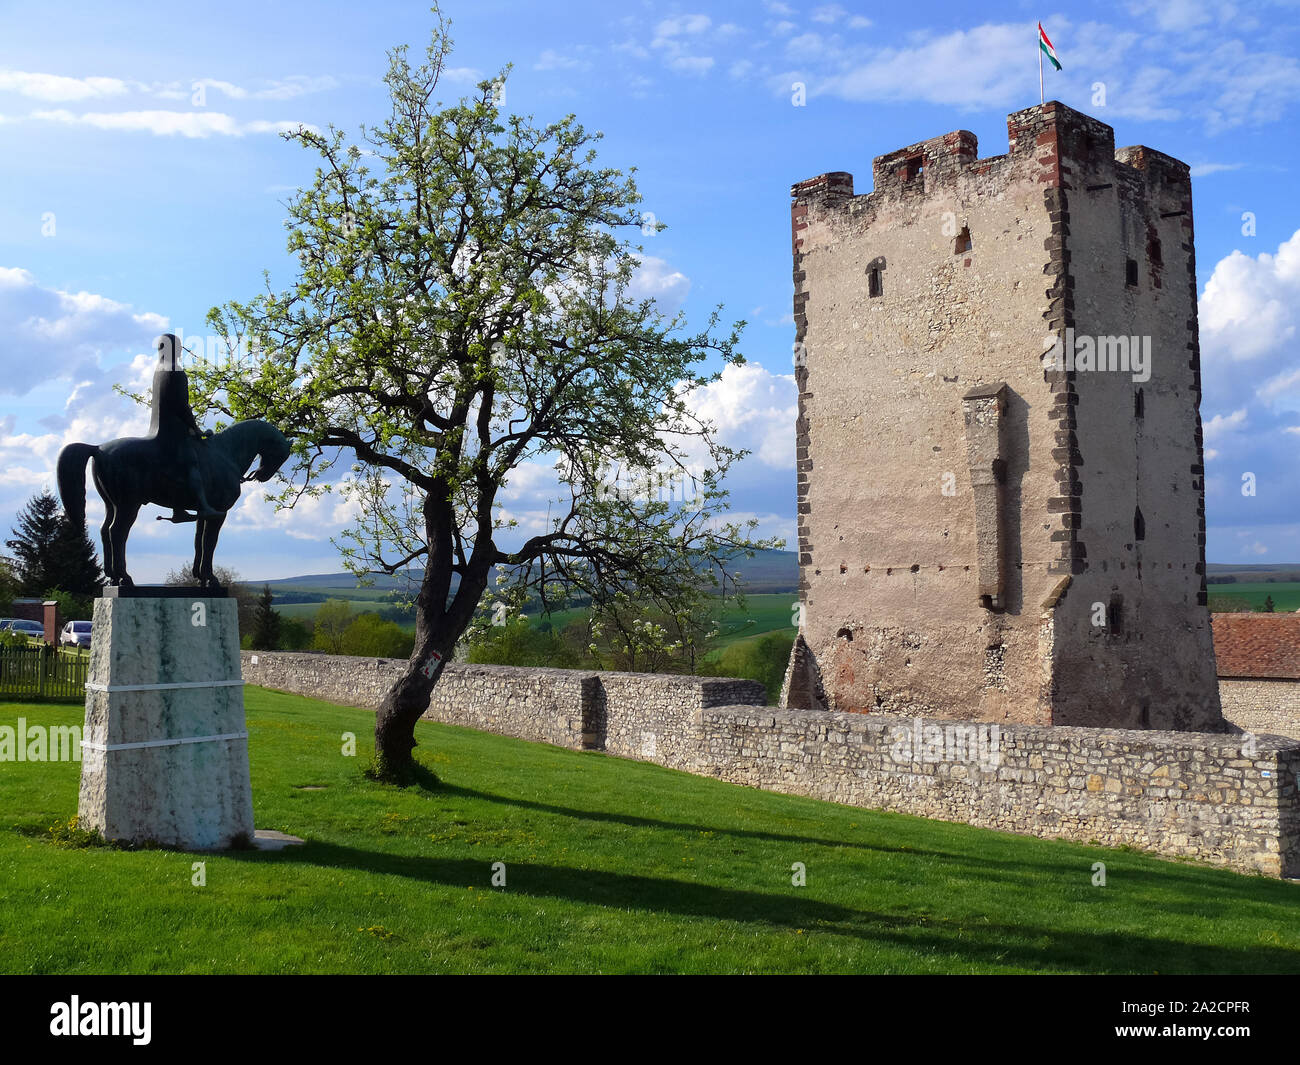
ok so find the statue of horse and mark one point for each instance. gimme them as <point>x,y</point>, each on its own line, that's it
<point>133,471</point>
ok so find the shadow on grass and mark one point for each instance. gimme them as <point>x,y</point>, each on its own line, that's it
<point>1223,882</point>
<point>977,942</point>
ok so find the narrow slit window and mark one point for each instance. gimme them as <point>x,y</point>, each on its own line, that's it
<point>1139,404</point>
<point>1131,272</point>
<point>1139,524</point>
<point>1115,616</point>
<point>964,242</point>
<point>875,282</point>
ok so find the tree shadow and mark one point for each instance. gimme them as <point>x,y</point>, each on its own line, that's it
<point>976,942</point>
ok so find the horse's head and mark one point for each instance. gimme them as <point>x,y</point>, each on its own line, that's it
<point>272,449</point>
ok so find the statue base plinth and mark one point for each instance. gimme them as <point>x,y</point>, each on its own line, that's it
<point>164,755</point>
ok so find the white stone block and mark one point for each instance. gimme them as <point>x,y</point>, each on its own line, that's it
<point>164,747</point>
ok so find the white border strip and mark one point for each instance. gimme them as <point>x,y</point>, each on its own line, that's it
<point>162,743</point>
<point>96,686</point>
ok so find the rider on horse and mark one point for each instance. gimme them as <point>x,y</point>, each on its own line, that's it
<point>172,423</point>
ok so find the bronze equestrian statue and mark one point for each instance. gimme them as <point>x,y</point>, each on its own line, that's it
<point>178,465</point>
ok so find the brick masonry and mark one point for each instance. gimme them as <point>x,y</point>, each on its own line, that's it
<point>1227,800</point>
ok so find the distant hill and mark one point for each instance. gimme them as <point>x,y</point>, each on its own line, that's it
<point>767,571</point>
<point>1264,572</point>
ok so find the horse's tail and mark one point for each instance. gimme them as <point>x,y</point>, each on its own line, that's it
<point>72,480</point>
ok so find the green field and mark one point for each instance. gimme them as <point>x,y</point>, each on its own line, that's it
<point>763,613</point>
<point>1286,595</point>
<point>611,866</point>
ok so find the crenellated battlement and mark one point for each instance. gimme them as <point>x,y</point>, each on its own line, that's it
<point>1064,148</point>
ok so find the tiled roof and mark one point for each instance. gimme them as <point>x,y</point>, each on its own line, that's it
<point>1257,645</point>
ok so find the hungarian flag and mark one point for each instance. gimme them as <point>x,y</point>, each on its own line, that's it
<point>1046,45</point>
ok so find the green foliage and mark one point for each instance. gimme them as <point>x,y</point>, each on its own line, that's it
<point>1229,604</point>
<point>71,607</point>
<point>763,658</point>
<point>1269,606</point>
<point>10,585</point>
<point>371,636</point>
<point>464,306</point>
<point>331,622</point>
<point>295,635</point>
<point>51,553</point>
<point>519,643</point>
<point>266,623</point>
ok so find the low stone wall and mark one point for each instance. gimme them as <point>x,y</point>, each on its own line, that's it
<point>1262,706</point>
<point>1228,800</point>
<point>639,715</point>
<point>1176,793</point>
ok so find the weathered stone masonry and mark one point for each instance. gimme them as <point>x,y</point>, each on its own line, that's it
<point>947,576</point>
<point>1178,794</point>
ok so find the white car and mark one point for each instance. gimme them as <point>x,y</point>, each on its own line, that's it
<point>75,634</point>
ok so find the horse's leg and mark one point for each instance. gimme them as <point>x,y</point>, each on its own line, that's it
<point>123,518</point>
<point>211,530</point>
<point>197,568</point>
<point>105,532</point>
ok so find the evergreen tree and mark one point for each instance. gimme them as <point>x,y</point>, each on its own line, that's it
<point>266,623</point>
<point>1269,606</point>
<point>36,544</point>
<point>77,568</point>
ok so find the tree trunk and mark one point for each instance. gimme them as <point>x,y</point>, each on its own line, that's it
<point>408,699</point>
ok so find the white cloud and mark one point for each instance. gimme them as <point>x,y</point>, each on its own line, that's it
<point>51,333</point>
<point>1204,169</point>
<point>550,60</point>
<point>691,64</point>
<point>680,26</point>
<point>1251,306</point>
<point>286,89</point>
<point>753,409</point>
<point>656,280</point>
<point>1221,424</point>
<point>828,13</point>
<point>190,124</point>
<point>57,88</point>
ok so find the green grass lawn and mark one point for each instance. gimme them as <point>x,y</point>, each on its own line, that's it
<point>611,866</point>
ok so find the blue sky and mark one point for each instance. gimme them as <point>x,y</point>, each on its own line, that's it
<point>143,183</point>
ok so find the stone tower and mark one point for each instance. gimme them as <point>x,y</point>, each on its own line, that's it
<point>1000,474</point>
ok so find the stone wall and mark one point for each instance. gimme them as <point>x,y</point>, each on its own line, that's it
<point>634,714</point>
<point>1194,794</point>
<point>1212,797</point>
<point>1262,705</point>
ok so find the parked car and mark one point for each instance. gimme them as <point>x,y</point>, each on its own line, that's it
<point>32,629</point>
<point>75,634</point>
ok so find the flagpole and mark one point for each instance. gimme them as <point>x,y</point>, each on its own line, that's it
<point>1039,42</point>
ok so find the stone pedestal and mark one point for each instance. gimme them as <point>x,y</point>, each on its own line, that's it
<point>164,748</point>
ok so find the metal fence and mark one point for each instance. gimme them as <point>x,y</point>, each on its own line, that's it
<point>42,673</point>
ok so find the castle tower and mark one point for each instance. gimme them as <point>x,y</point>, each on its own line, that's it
<point>987,530</point>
